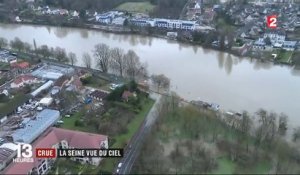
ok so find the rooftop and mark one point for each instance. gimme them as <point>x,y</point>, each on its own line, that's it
<point>53,136</point>
<point>99,94</point>
<point>52,72</point>
<point>35,127</point>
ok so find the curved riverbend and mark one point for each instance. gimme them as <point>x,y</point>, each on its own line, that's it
<point>195,73</point>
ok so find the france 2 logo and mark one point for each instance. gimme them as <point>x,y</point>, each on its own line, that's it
<point>272,21</point>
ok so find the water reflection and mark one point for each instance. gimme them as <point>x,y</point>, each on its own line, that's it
<point>48,29</point>
<point>84,33</point>
<point>295,71</point>
<point>228,64</point>
<point>259,64</point>
<point>10,26</point>
<point>61,32</point>
<point>221,59</point>
<point>195,49</point>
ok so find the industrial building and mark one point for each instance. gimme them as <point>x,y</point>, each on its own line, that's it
<point>52,72</point>
<point>45,86</point>
<point>35,127</point>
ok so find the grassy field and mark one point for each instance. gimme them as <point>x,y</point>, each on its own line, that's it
<point>69,123</point>
<point>141,7</point>
<point>284,56</point>
<point>225,166</point>
<point>108,164</point>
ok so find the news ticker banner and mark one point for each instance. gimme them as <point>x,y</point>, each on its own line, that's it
<point>69,153</point>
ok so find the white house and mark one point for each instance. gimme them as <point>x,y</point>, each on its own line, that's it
<point>142,22</point>
<point>22,80</point>
<point>289,45</point>
<point>259,44</point>
<point>118,21</point>
<point>276,38</point>
<point>175,24</point>
<point>75,14</point>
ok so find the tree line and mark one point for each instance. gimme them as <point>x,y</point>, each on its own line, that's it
<point>112,60</point>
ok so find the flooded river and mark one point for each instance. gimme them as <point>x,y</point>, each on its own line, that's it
<point>195,73</point>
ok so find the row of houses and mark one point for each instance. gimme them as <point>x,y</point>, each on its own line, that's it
<point>165,23</point>
<point>118,18</point>
<point>277,39</point>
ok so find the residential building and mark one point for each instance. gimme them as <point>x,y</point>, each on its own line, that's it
<point>23,80</point>
<point>175,24</point>
<point>59,138</point>
<point>119,21</point>
<point>289,45</point>
<point>20,65</point>
<point>276,38</point>
<point>126,95</point>
<point>107,18</point>
<point>142,22</point>
<point>99,95</point>
<point>260,44</point>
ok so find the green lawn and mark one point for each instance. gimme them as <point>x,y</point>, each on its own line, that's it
<point>108,164</point>
<point>4,66</point>
<point>96,82</point>
<point>141,7</point>
<point>225,166</point>
<point>69,123</point>
<point>284,56</point>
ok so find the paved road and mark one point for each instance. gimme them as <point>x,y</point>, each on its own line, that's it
<point>133,147</point>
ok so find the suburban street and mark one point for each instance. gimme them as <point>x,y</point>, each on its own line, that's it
<point>135,144</point>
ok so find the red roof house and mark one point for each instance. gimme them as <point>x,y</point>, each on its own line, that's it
<point>20,65</point>
<point>54,138</point>
<point>22,80</point>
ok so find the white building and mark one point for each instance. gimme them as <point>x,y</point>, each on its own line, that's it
<point>276,38</point>
<point>259,44</point>
<point>118,21</point>
<point>175,24</point>
<point>289,45</point>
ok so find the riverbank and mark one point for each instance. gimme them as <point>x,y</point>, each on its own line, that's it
<point>123,30</point>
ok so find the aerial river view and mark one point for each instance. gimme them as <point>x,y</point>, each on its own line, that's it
<point>196,73</point>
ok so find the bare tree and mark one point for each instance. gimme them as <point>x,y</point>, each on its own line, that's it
<point>17,44</point>
<point>72,58</point>
<point>87,60</point>
<point>60,54</point>
<point>118,63</point>
<point>132,64</point>
<point>161,81</point>
<point>282,124</point>
<point>3,43</point>
<point>296,134</point>
<point>27,47</point>
<point>245,127</point>
<point>44,51</point>
<point>102,54</point>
